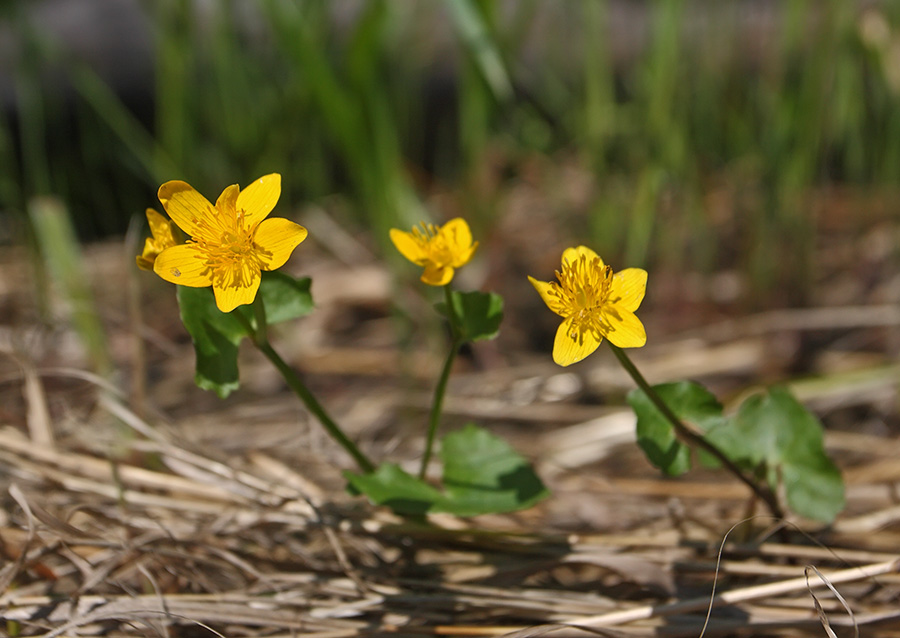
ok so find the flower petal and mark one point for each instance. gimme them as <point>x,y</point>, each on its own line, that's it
<point>160,228</point>
<point>148,256</point>
<point>226,205</point>
<point>435,275</point>
<point>458,234</point>
<point>275,240</point>
<point>465,256</point>
<point>623,328</point>
<point>259,198</point>
<point>570,255</point>
<point>408,246</point>
<point>627,288</point>
<point>572,345</point>
<point>237,286</point>
<point>545,291</point>
<point>184,265</point>
<point>184,205</point>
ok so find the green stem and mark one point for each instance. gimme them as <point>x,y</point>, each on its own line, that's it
<point>261,341</point>
<point>441,388</point>
<point>262,324</point>
<point>694,439</point>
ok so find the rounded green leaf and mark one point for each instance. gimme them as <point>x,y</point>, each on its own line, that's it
<point>479,314</point>
<point>690,402</point>
<point>284,298</point>
<point>775,430</point>
<point>391,486</point>
<point>215,336</point>
<point>482,475</point>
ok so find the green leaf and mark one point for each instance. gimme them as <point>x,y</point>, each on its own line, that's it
<point>479,314</point>
<point>776,431</point>
<point>284,298</point>
<point>216,336</point>
<point>690,402</point>
<point>482,474</point>
<point>391,486</point>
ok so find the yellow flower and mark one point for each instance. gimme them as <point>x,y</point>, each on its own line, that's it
<point>161,238</point>
<point>230,243</point>
<point>439,249</point>
<point>595,303</point>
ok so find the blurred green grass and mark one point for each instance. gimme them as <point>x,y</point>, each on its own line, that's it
<point>405,98</point>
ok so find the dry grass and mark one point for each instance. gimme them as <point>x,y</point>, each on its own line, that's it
<point>254,547</point>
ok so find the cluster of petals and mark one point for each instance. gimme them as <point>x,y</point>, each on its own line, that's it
<point>595,303</point>
<point>438,249</point>
<point>162,236</point>
<point>230,243</point>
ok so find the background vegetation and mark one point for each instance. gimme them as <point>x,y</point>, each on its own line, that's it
<point>714,134</point>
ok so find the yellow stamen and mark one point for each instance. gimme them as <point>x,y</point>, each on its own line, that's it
<point>582,291</point>
<point>433,243</point>
<point>227,246</point>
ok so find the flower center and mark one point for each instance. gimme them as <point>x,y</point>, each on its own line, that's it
<point>227,245</point>
<point>582,291</point>
<point>433,243</point>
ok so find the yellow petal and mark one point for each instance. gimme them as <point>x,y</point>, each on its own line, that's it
<point>544,290</point>
<point>184,265</point>
<point>462,257</point>
<point>237,287</point>
<point>275,240</point>
<point>260,197</point>
<point>627,288</point>
<point>184,205</point>
<point>570,255</point>
<point>408,246</point>
<point>572,345</point>
<point>146,259</point>
<point>437,275</point>
<point>226,205</point>
<point>457,233</point>
<point>623,328</point>
<point>160,229</point>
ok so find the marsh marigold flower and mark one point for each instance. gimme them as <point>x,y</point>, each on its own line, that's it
<point>439,249</point>
<point>230,243</point>
<point>594,303</point>
<point>161,237</point>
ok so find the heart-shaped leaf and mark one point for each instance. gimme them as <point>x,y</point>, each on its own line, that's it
<point>690,402</point>
<point>775,431</point>
<point>482,474</point>
<point>479,314</point>
<point>216,335</point>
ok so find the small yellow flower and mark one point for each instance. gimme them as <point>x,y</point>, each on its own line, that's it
<point>439,249</point>
<point>595,303</point>
<point>162,237</point>
<point>230,243</point>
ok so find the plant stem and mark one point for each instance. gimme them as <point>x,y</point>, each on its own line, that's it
<point>692,438</point>
<point>441,388</point>
<point>261,341</point>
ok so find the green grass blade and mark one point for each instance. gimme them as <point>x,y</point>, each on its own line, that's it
<point>471,27</point>
<point>62,256</point>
